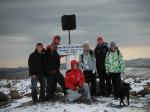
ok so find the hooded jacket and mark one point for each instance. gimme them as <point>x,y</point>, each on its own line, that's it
<point>74,78</point>
<point>114,62</point>
<point>36,64</point>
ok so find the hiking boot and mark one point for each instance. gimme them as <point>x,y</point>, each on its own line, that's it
<point>94,99</point>
<point>88,101</point>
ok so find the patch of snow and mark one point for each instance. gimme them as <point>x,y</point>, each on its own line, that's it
<point>103,104</point>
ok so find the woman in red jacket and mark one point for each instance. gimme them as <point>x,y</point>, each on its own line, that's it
<point>75,82</point>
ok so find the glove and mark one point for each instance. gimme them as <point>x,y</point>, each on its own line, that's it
<point>93,72</point>
<point>77,88</point>
<point>108,73</point>
<point>87,67</point>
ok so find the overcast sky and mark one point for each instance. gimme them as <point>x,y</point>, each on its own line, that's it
<point>23,23</point>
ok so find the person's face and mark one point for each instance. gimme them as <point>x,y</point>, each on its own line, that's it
<point>100,42</point>
<point>57,41</point>
<point>113,49</point>
<point>86,47</point>
<point>39,48</point>
<point>75,66</point>
<point>52,47</point>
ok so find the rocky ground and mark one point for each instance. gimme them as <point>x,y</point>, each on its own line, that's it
<point>18,92</point>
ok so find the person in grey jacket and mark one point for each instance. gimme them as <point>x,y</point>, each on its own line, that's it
<point>87,62</point>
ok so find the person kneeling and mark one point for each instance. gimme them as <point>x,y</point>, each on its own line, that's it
<point>75,83</point>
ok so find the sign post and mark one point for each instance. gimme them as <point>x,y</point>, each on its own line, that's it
<point>68,23</point>
<point>72,51</point>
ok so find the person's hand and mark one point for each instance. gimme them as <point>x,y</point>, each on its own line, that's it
<point>93,72</point>
<point>78,88</point>
<point>34,77</point>
<point>87,67</point>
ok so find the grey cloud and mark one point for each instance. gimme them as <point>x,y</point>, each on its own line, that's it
<point>25,22</point>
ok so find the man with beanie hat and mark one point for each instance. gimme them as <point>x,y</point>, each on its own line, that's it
<point>100,51</point>
<point>56,41</point>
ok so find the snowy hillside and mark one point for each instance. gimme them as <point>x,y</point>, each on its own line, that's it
<point>137,77</point>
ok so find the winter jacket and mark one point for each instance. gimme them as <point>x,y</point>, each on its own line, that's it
<point>100,55</point>
<point>36,64</point>
<point>74,78</point>
<point>91,62</point>
<point>114,62</point>
<point>51,61</point>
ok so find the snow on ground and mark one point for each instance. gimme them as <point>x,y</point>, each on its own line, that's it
<point>138,72</point>
<point>137,104</point>
<point>104,105</point>
<point>22,86</point>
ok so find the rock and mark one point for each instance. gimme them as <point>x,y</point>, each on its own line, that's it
<point>8,85</point>
<point>147,89</point>
<point>27,94</point>
<point>142,93</point>
<point>136,80</point>
<point>133,93</point>
<point>4,100</point>
<point>14,94</point>
<point>3,97</point>
<point>148,84</point>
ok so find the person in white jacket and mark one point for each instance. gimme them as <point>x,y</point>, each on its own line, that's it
<point>87,61</point>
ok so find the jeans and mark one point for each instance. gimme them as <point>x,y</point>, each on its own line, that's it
<point>74,95</point>
<point>34,88</point>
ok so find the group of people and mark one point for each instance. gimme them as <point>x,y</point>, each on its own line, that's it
<point>104,61</point>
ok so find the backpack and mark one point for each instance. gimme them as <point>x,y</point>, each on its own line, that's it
<point>91,54</point>
<point>118,52</point>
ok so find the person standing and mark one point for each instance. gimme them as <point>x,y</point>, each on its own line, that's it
<point>36,72</point>
<point>100,52</point>
<point>115,65</point>
<point>52,66</point>
<point>87,61</point>
<point>56,41</point>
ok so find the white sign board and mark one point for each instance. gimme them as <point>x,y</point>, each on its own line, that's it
<point>73,49</point>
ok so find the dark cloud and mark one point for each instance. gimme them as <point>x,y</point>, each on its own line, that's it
<point>25,22</point>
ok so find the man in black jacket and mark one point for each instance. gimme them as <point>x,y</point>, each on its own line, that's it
<point>100,55</point>
<point>52,65</point>
<point>36,72</point>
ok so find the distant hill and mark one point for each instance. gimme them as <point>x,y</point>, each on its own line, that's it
<point>11,70</point>
<point>22,72</point>
<point>11,73</point>
<point>139,63</point>
<point>19,73</point>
